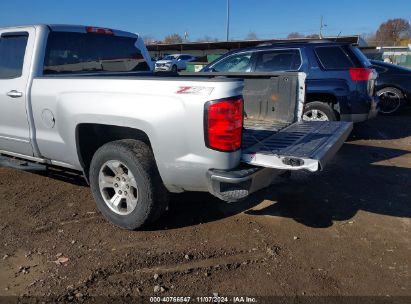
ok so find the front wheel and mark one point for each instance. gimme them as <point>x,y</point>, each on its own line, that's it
<point>390,100</point>
<point>126,184</point>
<point>174,69</point>
<point>318,111</point>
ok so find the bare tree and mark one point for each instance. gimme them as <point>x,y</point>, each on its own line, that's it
<point>207,38</point>
<point>371,39</point>
<point>251,36</point>
<point>294,35</point>
<point>391,31</point>
<point>314,36</point>
<point>173,38</point>
<point>149,39</point>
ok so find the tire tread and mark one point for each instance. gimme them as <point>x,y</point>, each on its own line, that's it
<point>139,153</point>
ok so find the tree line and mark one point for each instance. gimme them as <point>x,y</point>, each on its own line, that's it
<point>391,32</point>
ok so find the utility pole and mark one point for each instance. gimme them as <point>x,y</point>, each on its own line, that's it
<point>228,20</point>
<point>322,25</point>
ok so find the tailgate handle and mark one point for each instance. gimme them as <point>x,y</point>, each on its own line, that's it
<point>293,162</point>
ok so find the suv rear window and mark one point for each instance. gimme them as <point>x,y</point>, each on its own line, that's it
<point>361,57</point>
<point>333,58</point>
<point>69,52</point>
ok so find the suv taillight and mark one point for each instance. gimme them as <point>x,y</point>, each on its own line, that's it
<point>358,74</point>
<point>223,124</point>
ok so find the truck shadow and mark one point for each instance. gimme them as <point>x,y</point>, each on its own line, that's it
<point>59,174</point>
<point>359,178</point>
<point>347,187</point>
<point>384,127</point>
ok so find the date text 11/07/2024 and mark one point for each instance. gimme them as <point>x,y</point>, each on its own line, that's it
<point>206,299</point>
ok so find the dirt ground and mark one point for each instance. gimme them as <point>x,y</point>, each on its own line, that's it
<point>343,231</point>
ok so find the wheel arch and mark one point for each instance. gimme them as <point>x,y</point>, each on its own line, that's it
<point>91,136</point>
<point>327,98</point>
<point>323,97</point>
<point>387,86</point>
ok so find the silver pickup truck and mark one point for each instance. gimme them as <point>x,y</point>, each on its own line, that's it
<point>85,99</point>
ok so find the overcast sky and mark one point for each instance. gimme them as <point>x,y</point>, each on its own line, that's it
<point>268,18</point>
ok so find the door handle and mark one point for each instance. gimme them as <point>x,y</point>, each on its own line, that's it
<point>14,94</point>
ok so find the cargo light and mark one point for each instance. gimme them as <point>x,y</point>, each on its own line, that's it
<point>361,74</point>
<point>99,30</point>
<point>223,124</point>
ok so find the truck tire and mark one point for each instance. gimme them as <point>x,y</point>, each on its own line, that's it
<point>391,100</point>
<point>126,185</point>
<point>318,111</point>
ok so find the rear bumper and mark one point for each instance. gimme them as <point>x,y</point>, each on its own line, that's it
<point>237,184</point>
<point>374,108</point>
<point>359,117</point>
<point>300,146</point>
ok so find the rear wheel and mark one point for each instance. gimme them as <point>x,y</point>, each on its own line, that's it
<point>126,184</point>
<point>318,111</point>
<point>390,100</point>
<point>174,69</point>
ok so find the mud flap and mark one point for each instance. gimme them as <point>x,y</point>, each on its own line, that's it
<point>302,145</point>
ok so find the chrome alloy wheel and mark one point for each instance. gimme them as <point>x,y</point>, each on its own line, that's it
<point>118,187</point>
<point>390,101</point>
<point>315,115</point>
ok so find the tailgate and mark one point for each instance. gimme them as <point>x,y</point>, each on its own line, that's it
<point>302,145</point>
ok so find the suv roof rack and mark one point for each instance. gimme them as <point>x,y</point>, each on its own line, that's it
<point>301,42</point>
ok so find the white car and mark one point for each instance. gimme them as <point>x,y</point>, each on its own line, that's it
<point>174,62</point>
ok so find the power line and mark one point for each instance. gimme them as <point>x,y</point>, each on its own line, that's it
<point>228,20</point>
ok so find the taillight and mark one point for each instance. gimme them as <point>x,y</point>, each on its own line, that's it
<point>358,74</point>
<point>223,124</point>
<point>99,30</point>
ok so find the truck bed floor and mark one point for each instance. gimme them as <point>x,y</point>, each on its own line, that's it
<point>257,130</point>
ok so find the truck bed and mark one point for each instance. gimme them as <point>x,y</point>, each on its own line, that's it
<point>274,135</point>
<point>257,130</point>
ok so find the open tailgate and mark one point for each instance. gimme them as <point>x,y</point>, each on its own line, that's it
<point>302,145</point>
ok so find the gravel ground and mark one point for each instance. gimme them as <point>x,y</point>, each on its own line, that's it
<point>343,231</point>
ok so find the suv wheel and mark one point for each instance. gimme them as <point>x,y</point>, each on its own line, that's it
<point>390,100</point>
<point>174,69</point>
<point>318,111</point>
<point>126,184</point>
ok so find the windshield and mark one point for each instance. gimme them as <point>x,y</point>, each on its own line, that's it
<point>170,57</point>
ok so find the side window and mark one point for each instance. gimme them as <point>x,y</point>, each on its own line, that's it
<point>185,57</point>
<point>235,63</point>
<point>68,53</point>
<point>333,58</point>
<point>12,50</point>
<point>278,60</point>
